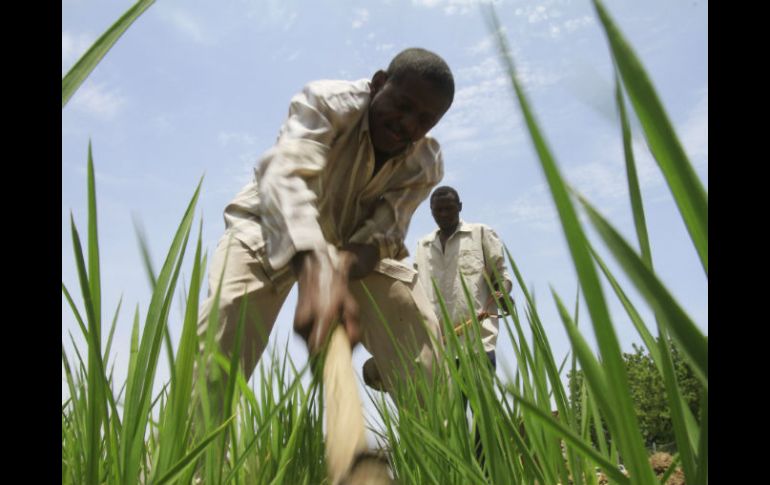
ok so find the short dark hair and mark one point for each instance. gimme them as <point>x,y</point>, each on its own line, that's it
<point>425,64</point>
<point>443,191</point>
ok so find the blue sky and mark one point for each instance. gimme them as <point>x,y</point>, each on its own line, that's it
<point>197,87</point>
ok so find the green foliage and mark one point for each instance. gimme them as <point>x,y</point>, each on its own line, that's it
<point>617,403</point>
<point>648,392</point>
<point>83,67</point>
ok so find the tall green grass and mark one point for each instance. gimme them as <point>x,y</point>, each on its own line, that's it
<point>123,433</point>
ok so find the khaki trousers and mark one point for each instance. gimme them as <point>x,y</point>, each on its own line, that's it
<point>247,277</point>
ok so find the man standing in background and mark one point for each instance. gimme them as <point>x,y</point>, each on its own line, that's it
<point>472,249</point>
<point>475,251</point>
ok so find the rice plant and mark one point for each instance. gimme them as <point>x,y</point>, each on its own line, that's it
<point>120,433</point>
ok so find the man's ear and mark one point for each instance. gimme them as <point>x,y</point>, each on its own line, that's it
<point>378,81</point>
<point>459,207</point>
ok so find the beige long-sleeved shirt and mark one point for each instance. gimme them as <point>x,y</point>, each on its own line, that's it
<point>473,250</point>
<point>315,187</point>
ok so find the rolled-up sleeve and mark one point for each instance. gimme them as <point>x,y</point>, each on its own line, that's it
<point>387,227</point>
<point>285,174</point>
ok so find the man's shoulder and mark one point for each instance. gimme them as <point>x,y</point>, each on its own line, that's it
<point>482,226</point>
<point>426,240</point>
<point>473,226</point>
<point>426,161</point>
<point>428,147</point>
<point>339,94</point>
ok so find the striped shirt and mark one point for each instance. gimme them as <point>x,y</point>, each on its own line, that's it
<point>316,186</point>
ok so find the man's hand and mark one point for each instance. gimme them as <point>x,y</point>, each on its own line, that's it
<point>323,300</point>
<point>360,259</point>
<point>500,296</point>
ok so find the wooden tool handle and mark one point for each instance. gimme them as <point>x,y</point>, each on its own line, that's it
<point>345,432</point>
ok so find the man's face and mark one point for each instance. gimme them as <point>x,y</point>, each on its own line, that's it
<point>446,212</point>
<point>403,112</point>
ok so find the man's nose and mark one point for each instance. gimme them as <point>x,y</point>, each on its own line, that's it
<point>411,127</point>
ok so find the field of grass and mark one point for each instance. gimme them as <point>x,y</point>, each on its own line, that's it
<point>120,433</point>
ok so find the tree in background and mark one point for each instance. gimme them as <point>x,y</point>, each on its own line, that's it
<point>648,394</point>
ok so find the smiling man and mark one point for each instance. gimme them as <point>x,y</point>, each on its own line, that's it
<point>329,208</point>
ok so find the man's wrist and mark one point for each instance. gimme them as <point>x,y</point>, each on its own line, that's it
<point>298,261</point>
<point>359,259</point>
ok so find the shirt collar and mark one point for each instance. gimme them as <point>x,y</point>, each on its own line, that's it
<point>462,226</point>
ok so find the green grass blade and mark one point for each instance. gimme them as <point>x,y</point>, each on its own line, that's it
<point>144,248</point>
<point>94,276</point>
<point>75,311</point>
<point>140,387</point>
<point>108,347</point>
<point>272,411</point>
<point>83,67</point>
<point>172,434</point>
<point>633,314</point>
<point>78,425</point>
<point>662,361</point>
<point>440,448</point>
<point>570,437</point>
<point>189,458</point>
<point>233,371</point>
<point>687,190</point>
<point>133,352</point>
<point>95,388</point>
<point>685,439</point>
<point>627,432</point>
<point>672,468</point>
<point>81,365</point>
<point>593,371</point>
<point>634,192</point>
<point>150,270</point>
<point>687,335</point>
<point>703,448</point>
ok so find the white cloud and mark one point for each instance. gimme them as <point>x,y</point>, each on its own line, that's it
<point>575,24</point>
<point>96,100</point>
<point>606,177</point>
<point>536,14</point>
<point>72,47</point>
<point>484,113</point>
<point>227,138</point>
<point>533,208</point>
<point>384,47</point>
<point>360,17</point>
<point>599,180</point>
<point>570,26</point>
<point>485,105</point>
<point>484,46</point>
<point>293,56</point>
<point>530,75</point>
<point>185,23</point>
<point>454,7</point>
